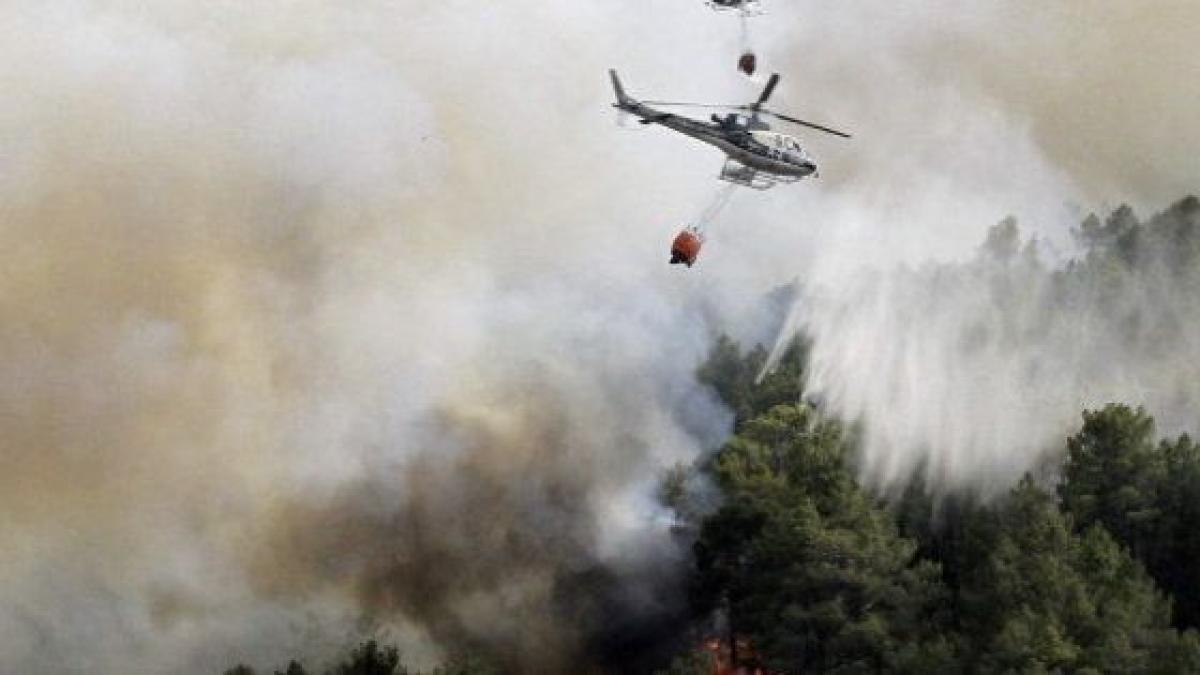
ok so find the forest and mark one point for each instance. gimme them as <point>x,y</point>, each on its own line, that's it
<point>1087,565</point>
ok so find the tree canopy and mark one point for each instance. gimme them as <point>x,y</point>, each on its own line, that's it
<point>811,573</point>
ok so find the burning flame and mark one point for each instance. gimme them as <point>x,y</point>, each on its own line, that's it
<point>723,658</point>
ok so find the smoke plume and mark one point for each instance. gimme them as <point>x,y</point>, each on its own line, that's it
<point>326,316</point>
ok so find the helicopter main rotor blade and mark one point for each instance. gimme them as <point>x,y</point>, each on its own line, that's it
<point>766,92</point>
<point>752,107</point>
<point>810,125</point>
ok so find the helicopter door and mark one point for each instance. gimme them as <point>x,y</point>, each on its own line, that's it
<point>778,147</point>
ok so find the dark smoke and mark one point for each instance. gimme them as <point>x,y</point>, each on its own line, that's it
<point>491,540</point>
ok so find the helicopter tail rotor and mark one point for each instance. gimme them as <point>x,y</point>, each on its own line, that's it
<point>618,89</point>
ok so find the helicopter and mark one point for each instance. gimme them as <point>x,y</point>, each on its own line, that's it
<point>756,157</point>
<point>748,60</point>
<point>746,7</point>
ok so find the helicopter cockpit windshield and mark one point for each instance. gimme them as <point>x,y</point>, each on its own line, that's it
<point>792,151</point>
<point>783,147</point>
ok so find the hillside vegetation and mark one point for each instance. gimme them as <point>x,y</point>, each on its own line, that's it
<point>1090,566</point>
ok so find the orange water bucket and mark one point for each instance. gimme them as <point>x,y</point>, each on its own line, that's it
<point>686,248</point>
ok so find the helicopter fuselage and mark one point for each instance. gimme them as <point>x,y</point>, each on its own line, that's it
<point>747,7</point>
<point>769,152</point>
